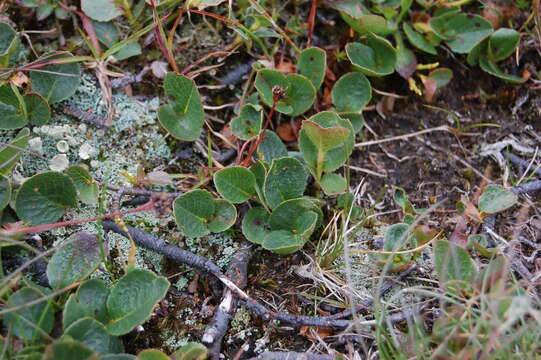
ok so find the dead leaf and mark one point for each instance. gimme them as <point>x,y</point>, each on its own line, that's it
<point>229,136</point>
<point>315,332</point>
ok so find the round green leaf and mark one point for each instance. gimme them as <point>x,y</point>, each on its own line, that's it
<point>285,216</point>
<point>441,76</point>
<point>260,172</point>
<point>460,31</point>
<point>183,116</point>
<point>37,108</point>
<point>117,357</point>
<point>193,211</point>
<point>224,216</point>
<point>418,40</point>
<point>9,43</point>
<point>89,301</point>
<point>351,92</point>
<point>43,198</point>
<point>453,263</point>
<point>7,36</point>
<point>356,120</point>
<point>68,349</point>
<point>271,147</point>
<point>86,187</point>
<point>493,69</point>
<point>326,141</point>
<point>495,199</point>
<point>376,58</point>
<point>107,32</point>
<point>312,64</point>
<point>59,82</point>
<point>248,123</point>
<point>5,192</point>
<point>101,10</point>
<point>502,43</point>
<point>191,351</point>
<point>236,184</point>
<point>368,24</point>
<point>74,261</point>
<point>333,184</point>
<point>298,90</point>
<point>255,225</point>
<point>26,322</point>
<point>9,156</point>
<point>152,354</point>
<point>94,335</point>
<point>12,111</point>
<point>282,242</point>
<point>285,180</point>
<point>406,62</point>
<point>132,299</point>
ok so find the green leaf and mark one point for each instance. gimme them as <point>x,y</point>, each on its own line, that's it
<point>248,123</point>
<point>356,120</point>
<point>493,69</point>
<point>479,50</point>
<point>401,199</point>
<point>351,93</point>
<point>312,64</point>
<point>132,299</point>
<point>224,216</point>
<point>333,184</point>
<point>117,357</point>
<point>271,147</point>
<point>183,116</point>
<point>5,192</point>
<point>30,322</point>
<point>406,62</point>
<point>75,261</point>
<point>376,58</point>
<point>502,43</point>
<point>255,225</point>
<point>495,199</point>
<point>101,10</point>
<point>285,180</point>
<point>68,349</point>
<point>152,354</point>
<point>326,141</point>
<point>86,187</point>
<point>235,184</point>
<point>43,198</point>
<point>260,172</point>
<point>298,90</point>
<point>94,335</point>
<point>191,351</point>
<point>454,266</point>
<point>9,42</point>
<point>396,239</point>
<point>12,110</point>
<point>286,215</point>
<point>193,211</point>
<point>283,242</point>
<point>129,49</point>
<point>370,23</point>
<point>441,76</point>
<point>461,32</point>
<point>89,301</point>
<point>9,155</point>
<point>37,108</point>
<point>418,40</point>
<point>59,82</point>
<point>107,32</point>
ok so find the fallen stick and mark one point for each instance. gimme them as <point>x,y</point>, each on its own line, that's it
<point>290,355</point>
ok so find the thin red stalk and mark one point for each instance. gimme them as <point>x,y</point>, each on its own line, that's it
<point>87,25</point>
<point>262,135</point>
<point>216,16</point>
<point>311,21</point>
<point>46,227</point>
<point>243,148</point>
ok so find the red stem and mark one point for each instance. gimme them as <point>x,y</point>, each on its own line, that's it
<point>311,22</point>
<point>248,159</point>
